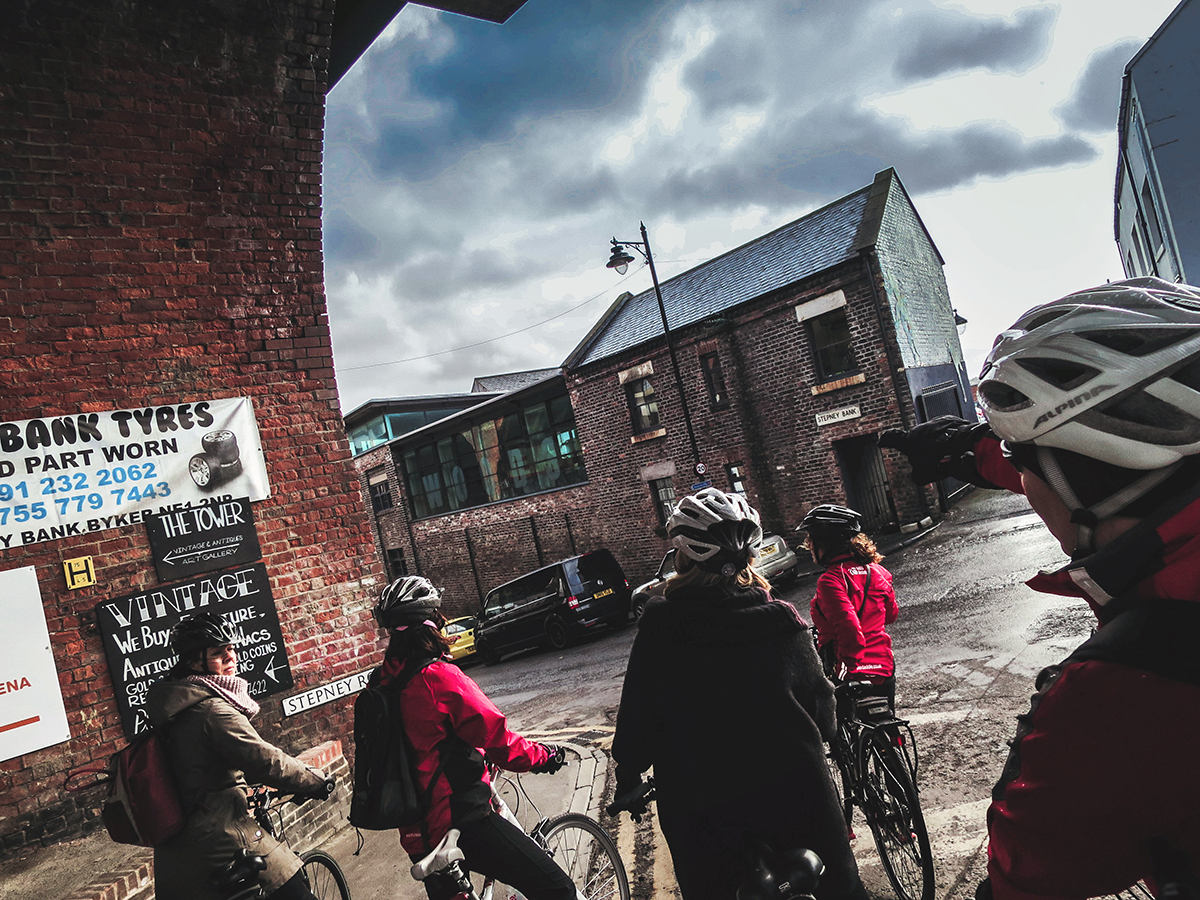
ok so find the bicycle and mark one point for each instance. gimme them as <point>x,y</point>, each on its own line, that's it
<point>785,875</point>
<point>875,758</point>
<point>578,843</point>
<point>322,874</point>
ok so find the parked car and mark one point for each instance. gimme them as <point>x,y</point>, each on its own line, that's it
<point>461,634</point>
<point>553,604</point>
<point>776,562</point>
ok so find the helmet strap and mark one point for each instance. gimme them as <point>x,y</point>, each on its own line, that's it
<point>1087,517</point>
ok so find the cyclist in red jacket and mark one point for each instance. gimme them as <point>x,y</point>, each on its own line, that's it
<point>452,727</point>
<point>854,600</point>
<point>1096,398</point>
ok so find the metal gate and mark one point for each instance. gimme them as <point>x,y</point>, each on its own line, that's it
<point>865,481</point>
<point>940,400</point>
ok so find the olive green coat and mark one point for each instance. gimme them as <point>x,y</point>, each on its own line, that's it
<point>214,750</point>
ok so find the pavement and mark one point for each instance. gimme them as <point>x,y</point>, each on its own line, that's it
<point>376,867</point>
<point>95,868</point>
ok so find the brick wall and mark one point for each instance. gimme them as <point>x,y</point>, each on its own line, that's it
<point>159,243</point>
<point>769,425</point>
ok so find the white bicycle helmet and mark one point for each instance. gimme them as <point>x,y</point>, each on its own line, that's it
<point>409,600</point>
<point>719,531</point>
<point>1107,373</point>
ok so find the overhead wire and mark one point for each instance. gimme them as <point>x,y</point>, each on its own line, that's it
<point>498,337</point>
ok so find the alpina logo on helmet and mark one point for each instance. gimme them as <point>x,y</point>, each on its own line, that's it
<point>1073,402</point>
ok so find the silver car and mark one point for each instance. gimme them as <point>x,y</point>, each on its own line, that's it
<point>776,562</point>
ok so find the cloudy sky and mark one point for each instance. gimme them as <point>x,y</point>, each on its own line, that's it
<point>474,173</point>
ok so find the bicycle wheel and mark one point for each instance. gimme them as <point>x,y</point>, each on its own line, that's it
<point>843,776</point>
<point>583,850</point>
<point>894,815</point>
<point>324,876</point>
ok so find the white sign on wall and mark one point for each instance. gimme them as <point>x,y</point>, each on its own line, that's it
<point>326,693</point>
<point>74,475</point>
<point>838,415</point>
<point>32,715</point>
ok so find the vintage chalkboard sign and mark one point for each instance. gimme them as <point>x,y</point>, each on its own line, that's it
<point>202,537</point>
<point>136,629</point>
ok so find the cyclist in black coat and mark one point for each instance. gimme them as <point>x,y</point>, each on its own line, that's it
<point>725,697</point>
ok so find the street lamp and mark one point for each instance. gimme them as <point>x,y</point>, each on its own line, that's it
<point>620,261</point>
<point>959,322</point>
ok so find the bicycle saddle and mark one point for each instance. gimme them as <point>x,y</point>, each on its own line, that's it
<point>445,853</point>
<point>240,873</point>
<point>781,876</point>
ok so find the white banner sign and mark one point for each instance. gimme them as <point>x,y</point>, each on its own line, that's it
<point>73,475</point>
<point>32,715</point>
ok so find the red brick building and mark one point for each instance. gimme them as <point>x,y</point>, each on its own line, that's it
<point>795,351</point>
<point>160,248</point>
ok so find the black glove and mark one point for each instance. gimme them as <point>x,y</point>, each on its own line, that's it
<point>324,792</point>
<point>633,795</point>
<point>940,448</point>
<point>555,761</point>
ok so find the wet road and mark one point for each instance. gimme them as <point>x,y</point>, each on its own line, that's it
<point>969,641</point>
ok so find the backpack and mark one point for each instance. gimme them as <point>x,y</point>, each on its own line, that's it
<point>142,804</point>
<point>385,795</point>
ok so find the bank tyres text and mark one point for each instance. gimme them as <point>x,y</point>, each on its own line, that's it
<point>73,475</point>
<point>136,631</point>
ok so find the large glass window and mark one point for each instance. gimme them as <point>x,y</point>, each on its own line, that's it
<point>832,344</point>
<point>531,449</point>
<point>643,407</point>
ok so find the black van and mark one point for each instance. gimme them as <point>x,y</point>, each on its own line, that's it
<point>553,605</point>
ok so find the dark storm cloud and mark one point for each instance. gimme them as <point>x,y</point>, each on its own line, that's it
<point>1094,101</point>
<point>582,56</point>
<point>346,240</point>
<point>728,74</point>
<point>837,149</point>
<point>942,41</point>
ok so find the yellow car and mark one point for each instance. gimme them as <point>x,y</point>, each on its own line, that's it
<point>461,633</point>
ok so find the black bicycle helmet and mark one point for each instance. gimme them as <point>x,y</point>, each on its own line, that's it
<point>719,531</point>
<point>200,631</point>
<point>409,600</point>
<point>833,520</point>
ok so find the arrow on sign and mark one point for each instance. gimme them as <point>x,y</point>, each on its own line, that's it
<point>271,669</point>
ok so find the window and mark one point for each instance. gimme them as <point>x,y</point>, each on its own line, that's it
<point>714,379</point>
<point>1155,232</point>
<point>396,566</point>
<point>528,449</point>
<point>737,478</point>
<point>381,494</point>
<point>643,408</point>
<point>663,493</point>
<point>832,342</point>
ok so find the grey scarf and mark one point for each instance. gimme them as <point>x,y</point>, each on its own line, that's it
<point>234,689</point>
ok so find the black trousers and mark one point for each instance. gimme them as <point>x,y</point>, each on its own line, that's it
<point>295,888</point>
<point>495,847</point>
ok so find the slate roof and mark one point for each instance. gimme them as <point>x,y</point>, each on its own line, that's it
<point>512,381</point>
<point>811,244</point>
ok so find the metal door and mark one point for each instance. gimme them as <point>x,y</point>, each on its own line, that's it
<point>865,481</point>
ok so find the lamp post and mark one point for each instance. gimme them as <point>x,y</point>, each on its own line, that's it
<point>620,261</point>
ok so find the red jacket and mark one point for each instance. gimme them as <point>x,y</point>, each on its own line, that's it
<point>452,726</point>
<point>852,622</point>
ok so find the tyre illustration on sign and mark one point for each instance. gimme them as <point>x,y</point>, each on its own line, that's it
<point>219,462</point>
